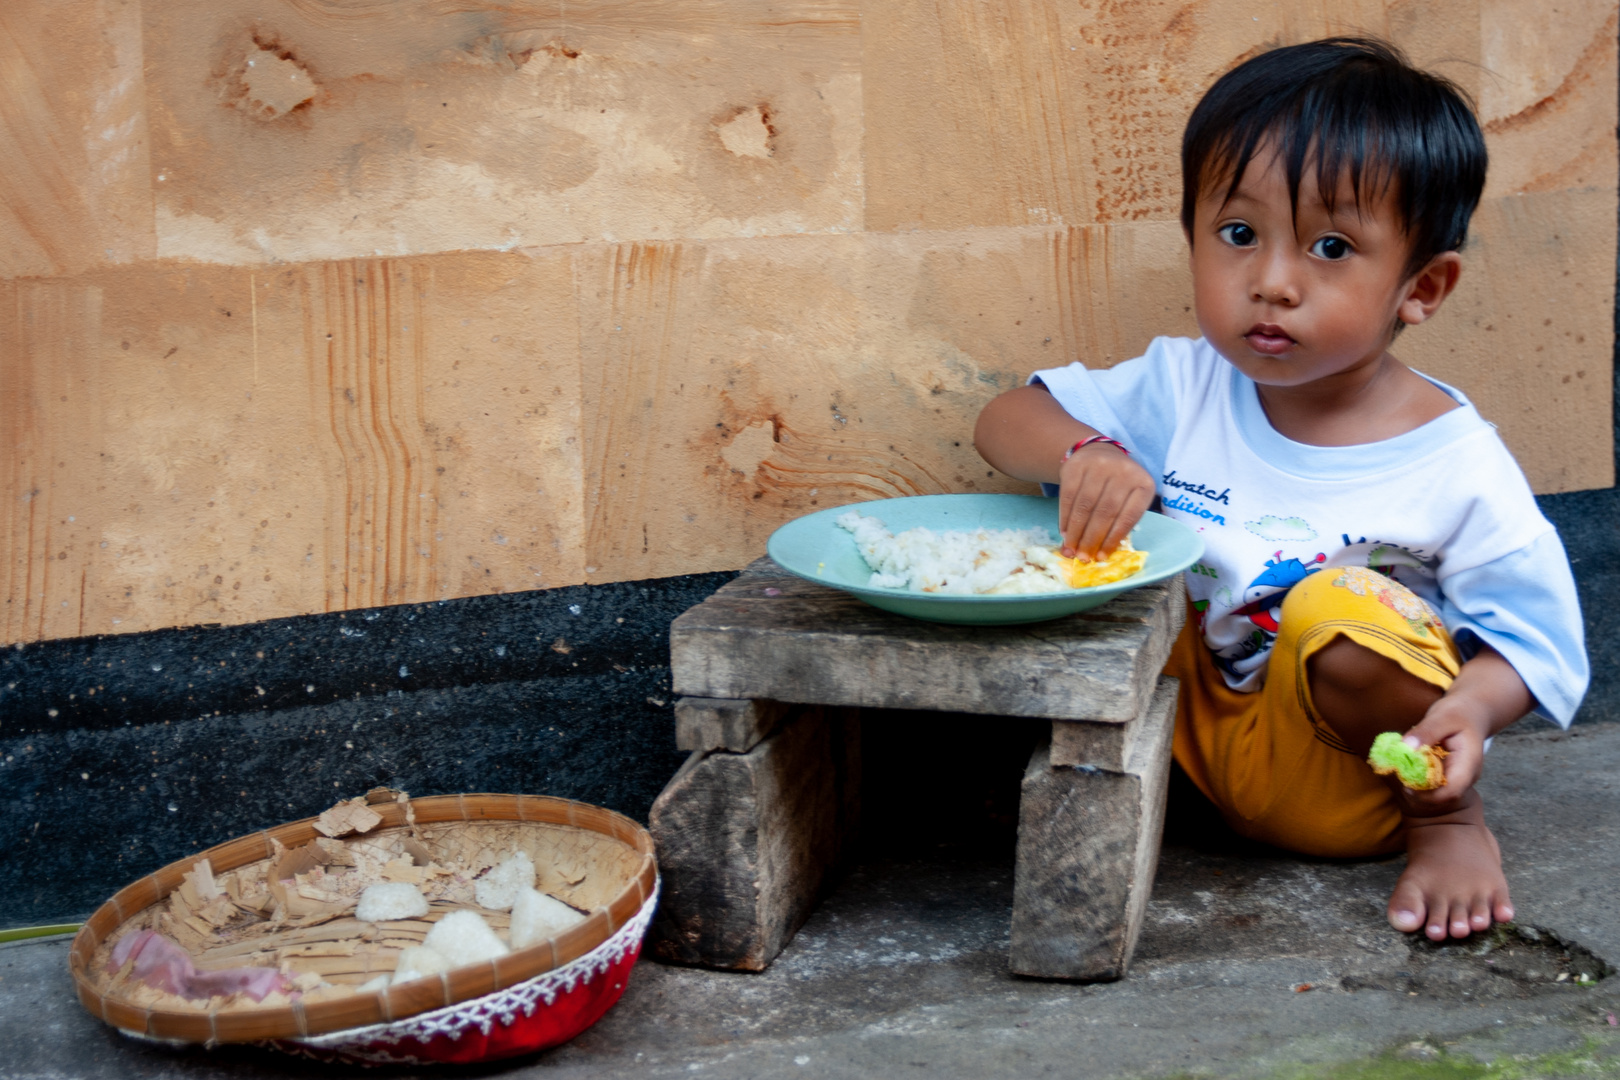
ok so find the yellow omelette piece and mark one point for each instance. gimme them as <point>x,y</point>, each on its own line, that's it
<point>1124,562</point>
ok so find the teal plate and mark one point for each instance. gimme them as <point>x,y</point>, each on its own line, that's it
<point>815,548</point>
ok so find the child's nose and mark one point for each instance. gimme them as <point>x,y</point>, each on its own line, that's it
<point>1277,282</point>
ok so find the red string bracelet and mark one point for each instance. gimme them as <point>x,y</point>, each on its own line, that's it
<point>1083,443</point>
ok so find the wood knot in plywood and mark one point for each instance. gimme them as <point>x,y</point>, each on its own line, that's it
<point>269,82</point>
<point>749,448</point>
<point>748,132</point>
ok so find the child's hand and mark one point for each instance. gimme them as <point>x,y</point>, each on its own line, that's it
<point>1461,732</point>
<point>1101,490</point>
<point>1487,696</point>
<point>1102,495</point>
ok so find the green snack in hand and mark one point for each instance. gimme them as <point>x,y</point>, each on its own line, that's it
<point>1418,767</point>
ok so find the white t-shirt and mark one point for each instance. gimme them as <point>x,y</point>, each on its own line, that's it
<point>1443,509</point>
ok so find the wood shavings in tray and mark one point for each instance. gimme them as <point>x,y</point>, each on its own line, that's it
<point>294,910</point>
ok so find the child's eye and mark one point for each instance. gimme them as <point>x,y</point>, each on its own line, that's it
<point>1237,234</point>
<point>1331,247</point>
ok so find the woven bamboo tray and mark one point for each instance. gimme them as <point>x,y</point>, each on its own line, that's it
<point>611,855</point>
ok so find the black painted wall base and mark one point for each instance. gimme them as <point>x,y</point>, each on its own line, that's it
<point>1589,524</point>
<point>120,754</point>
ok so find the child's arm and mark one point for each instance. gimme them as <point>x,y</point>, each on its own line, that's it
<point>1486,697</point>
<point>1102,491</point>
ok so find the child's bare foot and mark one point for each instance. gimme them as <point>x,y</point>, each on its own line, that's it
<point>1453,883</point>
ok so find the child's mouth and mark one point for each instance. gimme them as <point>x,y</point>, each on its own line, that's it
<point>1269,339</point>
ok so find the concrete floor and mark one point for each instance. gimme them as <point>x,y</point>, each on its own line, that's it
<point>901,972</point>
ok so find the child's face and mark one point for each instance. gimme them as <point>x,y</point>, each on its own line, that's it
<point>1293,299</point>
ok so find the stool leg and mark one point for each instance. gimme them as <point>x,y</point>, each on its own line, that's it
<point>747,843</point>
<point>1088,847</point>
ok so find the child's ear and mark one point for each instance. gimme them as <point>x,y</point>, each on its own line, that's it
<point>1429,288</point>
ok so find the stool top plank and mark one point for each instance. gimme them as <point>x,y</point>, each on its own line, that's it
<point>770,634</point>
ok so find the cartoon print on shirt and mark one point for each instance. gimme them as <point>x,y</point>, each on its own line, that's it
<point>1264,596</point>
<point>1262,605</point>
<point>1398,563</point>
<point>1280,530</point>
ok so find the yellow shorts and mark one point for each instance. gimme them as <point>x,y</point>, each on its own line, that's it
<point>1276,771</point>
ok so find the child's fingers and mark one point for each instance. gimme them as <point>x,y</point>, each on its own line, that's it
<point>1465,763</point>
<point>1073,524</point>
<point>1126,494</point>
<point>1463,766</point>
<point>1075,505</point>
<point>1066,493</point>
<point>1465,757</point>
<point>1099,502</point>
<point>1094,514</point>
<point>1136,503</point>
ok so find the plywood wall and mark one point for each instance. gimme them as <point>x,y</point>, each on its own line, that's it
<point>319,304</point>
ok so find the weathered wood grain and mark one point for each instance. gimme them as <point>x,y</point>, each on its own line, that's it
<point>1110,747</point>
<point>831,648</point>
<point>1547,91</point>
<point>1092,803</point>
<point>1076,743</point>
<point>1515,336</point>
<point>498,124</point>
<point>725,724</point>
<point>1027,112</point>
<point>730,386</point>
<point>1088,848</point>
<point>747,843</point>
<point>707,218</point>
<point>420,126</point>
<point>51,527</point>
<point>76,186</point>
<point>213,444</point>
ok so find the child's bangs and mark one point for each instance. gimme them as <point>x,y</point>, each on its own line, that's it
<point>1325,141</point>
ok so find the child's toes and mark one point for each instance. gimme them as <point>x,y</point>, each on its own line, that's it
<point>1460,925</point>
<point>1406,908</point>
<point>1479,916</point>
<point>1405,920</point>
<point>1503,910</point>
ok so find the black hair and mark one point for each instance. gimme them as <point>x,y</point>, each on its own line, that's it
<point>1345,104</point>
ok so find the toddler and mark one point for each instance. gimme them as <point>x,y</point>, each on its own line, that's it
<point>1374,559</point>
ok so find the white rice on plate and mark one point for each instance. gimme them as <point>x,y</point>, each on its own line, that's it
<point>993,562</point>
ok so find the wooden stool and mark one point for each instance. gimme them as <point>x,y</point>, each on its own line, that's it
<point>774,669</point>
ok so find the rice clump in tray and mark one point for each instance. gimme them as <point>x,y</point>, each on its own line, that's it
<point>994,562</point>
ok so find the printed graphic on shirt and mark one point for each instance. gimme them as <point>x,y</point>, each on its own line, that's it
<point>1196,498</point>
<point>1372,561</point>
<point>1391,560</point>
<point>1281,530</point>
<point>1262,606</point>
<point>1203,491</point>
<point>1195,508</point>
